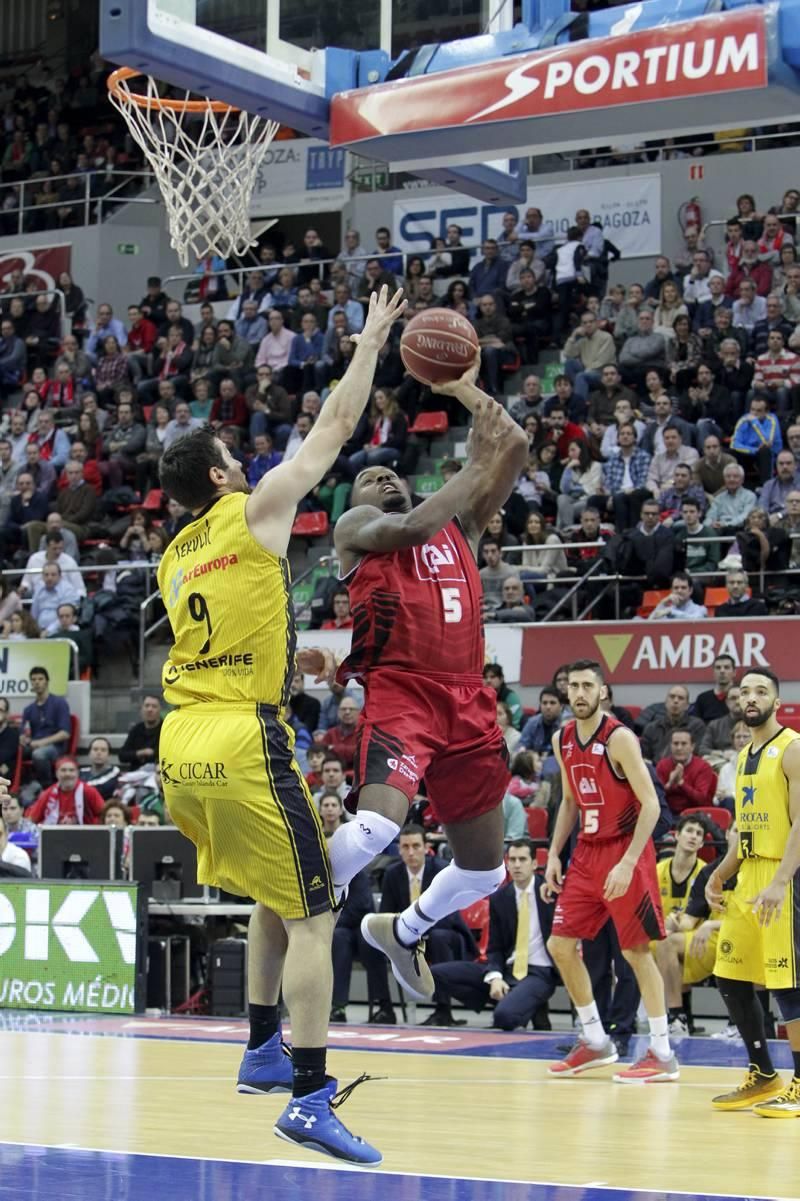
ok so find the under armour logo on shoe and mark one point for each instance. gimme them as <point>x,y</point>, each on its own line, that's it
<point>308,1119</point>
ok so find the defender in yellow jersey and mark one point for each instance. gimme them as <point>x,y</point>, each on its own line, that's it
<point>759,938</point>
<point>231,782</point>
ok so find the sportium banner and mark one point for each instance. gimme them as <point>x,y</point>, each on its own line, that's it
<point>661,652</point>
<point>75,946</point>
<point>17,659</point>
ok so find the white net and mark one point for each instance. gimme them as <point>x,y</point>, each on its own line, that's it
<point>205,162</point>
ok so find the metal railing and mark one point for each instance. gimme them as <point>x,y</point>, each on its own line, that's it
<point>85,202</point>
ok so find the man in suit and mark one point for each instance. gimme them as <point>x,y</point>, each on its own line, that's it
<point>739,604</point>
<point>449,940</point>
<point>519,975</point>
<point>349,943</point>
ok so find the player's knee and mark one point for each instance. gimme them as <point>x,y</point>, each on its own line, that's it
<point>789,1003</point>
<point>561,948</point>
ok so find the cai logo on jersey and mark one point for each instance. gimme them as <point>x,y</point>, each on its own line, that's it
<point>585,787</point>
<point>438,561</point>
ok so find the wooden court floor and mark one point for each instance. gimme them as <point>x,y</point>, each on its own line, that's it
<point>494,1116</point>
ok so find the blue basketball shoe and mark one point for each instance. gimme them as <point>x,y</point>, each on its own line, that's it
<point>268,1069</point>
<point>310,1122</point>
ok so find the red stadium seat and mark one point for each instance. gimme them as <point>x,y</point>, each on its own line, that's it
<point>310,525</point>
<point>650,599</point>
<point>154,500</point>
<point>476,917</point>
<point>430,425</point>
<point>537,824</point>
<point>714,597</point>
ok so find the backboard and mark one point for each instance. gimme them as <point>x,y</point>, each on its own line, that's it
<point>453,90</point>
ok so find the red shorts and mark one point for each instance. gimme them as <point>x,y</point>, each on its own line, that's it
<point>414,728</point>
<point>581,910</point>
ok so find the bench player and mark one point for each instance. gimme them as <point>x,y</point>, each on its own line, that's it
<point>231,782</point>
<point>759,938</point>
<point>612,873</point>
<point>418,650</point>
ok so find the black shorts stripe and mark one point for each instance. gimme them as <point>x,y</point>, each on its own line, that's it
<point>297,810</point>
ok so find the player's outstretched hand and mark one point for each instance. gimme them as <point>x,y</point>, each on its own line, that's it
<point>618,881</point>
<point>769,903</point>
<point>553,880</point>
<point>4,786</point>
<point>491,429</point>
<point>381,316</point>
<point>318,662</point>
<point>464,383</point>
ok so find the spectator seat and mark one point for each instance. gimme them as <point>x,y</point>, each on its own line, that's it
<point>537,824</point>
<point>310,525</point>
<point>650,600</point>
<point>476,917</point>
<point>430,425</point>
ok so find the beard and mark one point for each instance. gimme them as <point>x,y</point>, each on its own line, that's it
<point>394,502</point>
<point>754,720</point>
<point>586,712</point>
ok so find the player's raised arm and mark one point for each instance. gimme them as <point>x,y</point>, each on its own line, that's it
<point>510,460</point>
<point>271,507</point>
<point>367,528</point>
<point>623,746</point>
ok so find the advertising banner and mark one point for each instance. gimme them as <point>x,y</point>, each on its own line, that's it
<point>41,263</point>
<point>300,174</point>
<point>503,646</point>
<point>629,210</point>
<point>17,659</point>
<point>72,946</point>
<point>661,652</point>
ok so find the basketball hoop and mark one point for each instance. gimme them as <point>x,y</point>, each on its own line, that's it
<point>205,155</point>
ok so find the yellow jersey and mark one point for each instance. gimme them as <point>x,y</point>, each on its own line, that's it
<point>762,798</point>
<point>230,607</point>
<point>674,895</point>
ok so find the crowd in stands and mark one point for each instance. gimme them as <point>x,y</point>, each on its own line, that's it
<point>57,129</point>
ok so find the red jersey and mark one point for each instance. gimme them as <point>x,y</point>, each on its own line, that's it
<point>417,610</point>
<point>609,808</point>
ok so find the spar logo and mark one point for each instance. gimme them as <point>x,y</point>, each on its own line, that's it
<point>668,62</point>
<point>52,922</point>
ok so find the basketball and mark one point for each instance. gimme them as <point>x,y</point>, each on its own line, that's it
<point>438,346</point>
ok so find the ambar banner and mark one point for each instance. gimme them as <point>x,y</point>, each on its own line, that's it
<point>661,652</point>
<point>75,947</point>
<point>17,659</point>
<point>628,208</point>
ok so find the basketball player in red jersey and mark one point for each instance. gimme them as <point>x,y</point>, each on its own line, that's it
<point>612,873</point>
<point>417,648</point>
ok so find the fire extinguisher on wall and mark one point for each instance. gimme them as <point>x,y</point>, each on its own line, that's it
<point>690,213</point>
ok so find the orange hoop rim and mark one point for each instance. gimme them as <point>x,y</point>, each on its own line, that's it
<point>126,96</point>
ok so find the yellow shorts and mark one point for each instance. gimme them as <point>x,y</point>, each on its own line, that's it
<point>697,968</point>
<point>766,955</point>
<point>233,786</point>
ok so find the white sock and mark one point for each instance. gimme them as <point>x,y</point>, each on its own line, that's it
<point>659,1037</point>
<point>356,843</point>
<point>593,1029</point>
<point>452,889</point>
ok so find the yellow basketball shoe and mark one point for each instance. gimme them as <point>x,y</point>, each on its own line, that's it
<point>785,1105</point>
<point>755,1087</point>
